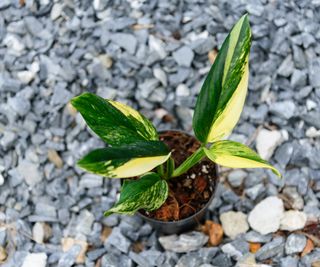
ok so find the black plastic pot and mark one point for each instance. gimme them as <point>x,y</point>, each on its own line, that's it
<point>176,227</point>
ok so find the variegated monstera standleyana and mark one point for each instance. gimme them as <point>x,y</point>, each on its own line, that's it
<point>134,148</point>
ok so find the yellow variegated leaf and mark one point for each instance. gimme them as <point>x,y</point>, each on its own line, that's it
<point>149,193</point>
<point>113,122</point>
<point>137,166</point>
<point>126,161</point>
<point>236,155</point>
<point>229,117</point>
<point>148,130</point>
<point>223,92</point>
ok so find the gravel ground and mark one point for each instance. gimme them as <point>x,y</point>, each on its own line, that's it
<point>154,55</point>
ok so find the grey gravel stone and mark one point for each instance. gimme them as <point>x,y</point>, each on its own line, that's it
<point>68,258</point>
<point>7,140</point>
<point>45,209</point>
<point>85,221</point>
<point>60,95</point>
<point>314,68</point>
<point>19,105</point>
<point>284,109</point>
<point>8,84</point>
<point>33,26</point>
<point>283,154</point>
<point>236,249</point>
<point>30,172</point>
<point>255,191</point>
<point>189,260</point>
<point>183,56</point>
<point>295,243</point>
<point>271,250</point>
<point>299,57</point>
<point>289,262</point>
<point>286,67</point>
<point>118,240</point>
<point>126,41</point>
<point>183,243</point>
<point>236,177</point>
<point>5,4</point>
<point>203,45</point>
<point>310,258</point>
<point>222,260</point>
<point>255,237</point>
<point>90,181</point>
<point>298,78</point>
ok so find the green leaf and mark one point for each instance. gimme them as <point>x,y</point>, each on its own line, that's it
<point>236,155</point>
<point>114,122</point>
<point>149,193</point>
<point>125,161</point>
<point>223,92</point>
<point>189,162</point>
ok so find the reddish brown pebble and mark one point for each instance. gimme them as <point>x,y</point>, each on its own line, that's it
<point>254,247</point>
<point>308,248</point>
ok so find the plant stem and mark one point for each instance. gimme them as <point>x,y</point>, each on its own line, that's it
<point>189,162</point>
<point>169,168</point>
<point>160,170</point>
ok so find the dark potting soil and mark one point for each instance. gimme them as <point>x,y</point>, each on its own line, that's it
<point>191,191</point>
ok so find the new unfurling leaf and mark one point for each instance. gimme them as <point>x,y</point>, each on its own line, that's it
<point>223,93</point>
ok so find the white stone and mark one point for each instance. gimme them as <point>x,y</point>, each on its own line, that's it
<point>156,45</point>
<point>266,216</point>
<point>38,232</point>
<point>267,141</point>
<point>35,67</point>
<point>182,90</point>
<point>14,44</point>
<point>161,76</point>
<point>25,76</point>
<point>312,132</point>
<point>105,60</point>
<point>293,220</point>
<point>234,223</point>
<point>1,179</point>
<point>311,104</point>
<point>56,11</point>
<point>35,260</point>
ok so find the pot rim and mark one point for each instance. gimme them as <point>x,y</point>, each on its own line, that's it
<point>195,214</point>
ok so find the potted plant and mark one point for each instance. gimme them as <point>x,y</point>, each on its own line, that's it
<point>173,174</point>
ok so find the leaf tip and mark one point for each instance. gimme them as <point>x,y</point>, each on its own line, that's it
<point>107,213</point>
<point>276,172</point>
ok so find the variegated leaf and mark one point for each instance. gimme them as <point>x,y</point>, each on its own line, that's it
<point>236,155</point>
<point>222,95</point>
<point>149,193</point>
<point>114,122</point>
<point>125,161</point>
